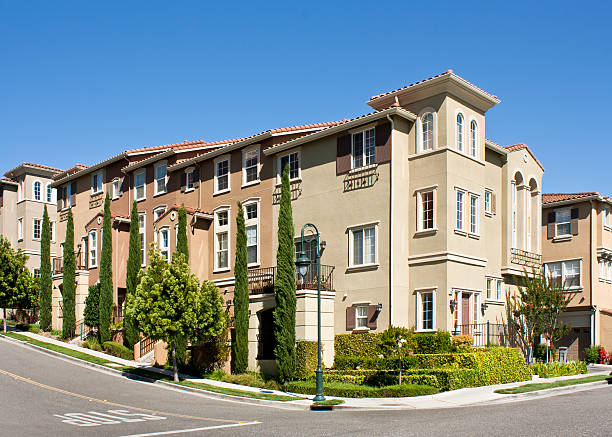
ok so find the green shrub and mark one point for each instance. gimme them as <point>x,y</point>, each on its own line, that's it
<point>432,343</point>
<point>448,379</point>
<point>56,332</point>
<point>373,363</point>
<point>550,370</point>
<point>251,380</point>
<point>306,359</point>
<point>359,391</point>
<point>591,354</point>
<point>462,343</point>
<point>388,341</point>
<point>118,350</point>
<point>539,352</point>
<point>364,344</point>
<point>93,344</point>
<point>29,327</point>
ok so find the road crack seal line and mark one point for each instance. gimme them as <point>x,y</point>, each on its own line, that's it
<point>114,404</point>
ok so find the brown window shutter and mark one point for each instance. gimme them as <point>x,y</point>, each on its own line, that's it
<point>550,226</point>
<point>383,142</point>
<point>183,182</point>
<point>493,204</point>
<point>196,177</point>
<point>350,318</point>
<point>372,316</point>
<point>574,222</point>
<point>73,188</point>
<point>343,157</point>
<point>59,198</point>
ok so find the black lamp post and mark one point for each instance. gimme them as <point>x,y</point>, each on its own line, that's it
<point>303,263</point>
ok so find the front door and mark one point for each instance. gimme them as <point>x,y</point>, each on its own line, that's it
<point>465,313</point>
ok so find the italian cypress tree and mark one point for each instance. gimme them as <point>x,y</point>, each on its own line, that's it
<point>241,298</point>
<point>181,242</point>
<point>68,285</point>
<point>284,286</point>
<point>46,282</point>
<point>131,334</point>
<point>106,275</point>
<point>91,314</point>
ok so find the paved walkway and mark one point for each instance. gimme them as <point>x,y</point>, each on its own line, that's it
<point>455,398</point>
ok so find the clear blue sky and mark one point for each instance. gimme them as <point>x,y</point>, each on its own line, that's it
<point>83,80</point>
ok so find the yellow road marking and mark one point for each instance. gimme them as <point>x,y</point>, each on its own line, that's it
<point>114,404</point>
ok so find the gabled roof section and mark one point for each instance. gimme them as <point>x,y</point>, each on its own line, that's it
<point>522,146</point>
<point>8,181</point>
<point>116,217</point>
<point>440,83</point>
<point>191,211</point>
<point>565,197</point>
<point>52,171</point>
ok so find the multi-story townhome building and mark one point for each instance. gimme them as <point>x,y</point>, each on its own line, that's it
<point>577,253</point>
<point>24,192</point>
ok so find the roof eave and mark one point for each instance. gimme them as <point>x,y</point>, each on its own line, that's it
<point>87,170</point>
<point>495,147</point>
<point>156,157</point>
<point>572,201</point>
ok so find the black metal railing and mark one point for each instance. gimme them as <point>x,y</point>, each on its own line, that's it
<point>488,334</point>
<point>81,329</point>
<point>524,258</point>
<point>117,315</point>
<point>80,263</point>
<point>146,346</point>
<point>261,280</point>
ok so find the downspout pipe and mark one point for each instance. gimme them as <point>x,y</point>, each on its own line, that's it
<point>391,199</point>
<point>593,307</point>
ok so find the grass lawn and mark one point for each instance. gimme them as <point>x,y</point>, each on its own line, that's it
<point>545,385</point>
<point>329,402</point>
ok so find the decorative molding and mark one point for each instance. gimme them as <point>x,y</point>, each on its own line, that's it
<point>447,257</point>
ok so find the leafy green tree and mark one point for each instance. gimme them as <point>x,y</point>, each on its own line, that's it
<point>169,306</point>
<point>134,263</point>
<point>555,301</point>
<point>391,343</point>
<point>106,275</point>
<point>91,314</point>
<point>284,286</point>
<point>241,297</point>
<point>46,281</point>
<point>68,281</point>
<point>181,239</point>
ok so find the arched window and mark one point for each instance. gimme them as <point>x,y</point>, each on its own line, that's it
<point>459,141</point>
<point>473,138</point>
<point>49,193</point>
<point>427,130</point>
<point>36,190</point>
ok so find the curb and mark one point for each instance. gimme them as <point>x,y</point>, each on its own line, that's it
<point>548,392</point>
<point>132,376</point>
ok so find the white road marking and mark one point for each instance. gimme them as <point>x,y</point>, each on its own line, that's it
<point>94,418</point>
<point>204,428</point>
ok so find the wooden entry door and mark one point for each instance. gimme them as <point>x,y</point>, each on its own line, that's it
<point>465,313</point>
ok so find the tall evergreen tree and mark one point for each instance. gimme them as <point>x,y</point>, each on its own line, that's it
<point>106,275</point>
<point>68,281</point>
<point>91,313</point>
<point>181,239</point>
<point>131,334</point>
<point>46,281</point>
<point>284,286</point>
<point>241,297</point>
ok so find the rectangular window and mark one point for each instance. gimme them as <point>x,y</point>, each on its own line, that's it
<point>143,245</point>
<point>93,249</point>
<point>426,210</point>
<point>425,308</point>
<point>490,289</point>
<point>251,166</point>
<point>609,274</point>
<point>49,193</point>
<point>115,189</point>
<point>222,240</point>
<point>20,191</point>
<point>562,222</point>
<point>164,243</point>
<point>37,273</point>
<point>20,229</point>
<point>460,209</point>
<point>293,161</point>
<point>252,231</point>
<point>66,194</point>
<point>36,229</point>
<point>500,290</point>
<point>602,268</point>
<point>189,181</point>
<point>222,175</point>
<point>364,246</point>
<point>96,183</point>
<point>158,212</point>
<point>572,273</point>
<point>361,317</point>
<point>364,148</point>
<point>565,274</point>
<point>487,200</point>
<point>473,214</point>
<point>160,178</point>
<point>52,229</point>
<point>139,185</point>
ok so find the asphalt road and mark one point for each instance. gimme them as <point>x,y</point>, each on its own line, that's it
<point>42,395</point>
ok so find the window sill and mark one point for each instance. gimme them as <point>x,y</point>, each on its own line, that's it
<point>425,330</point>
<point>562,238</point>
<point>291,181</point>
<point>19,240</point>
<point>460,232</point>
<point>141,199</point>
<point>365,329</point>
<point>160,194</point>
<point>248,184</point>
<point>252,265</point>
<point>426,232</point>
<point>474,236</point>
<point>488,214</point>
<point>223,270</point>
<point>216,193</point>
<point>494,302</point>
<point>362,268</point>
<point>361,169</point>
<point>115,198</point>
<point>608,228</point>
<point>189,190</point>
<point>575,289</point>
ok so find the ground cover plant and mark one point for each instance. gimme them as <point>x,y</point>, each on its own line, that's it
<point>550,370</point>
<point>348,390</point>
<point>546,385</point>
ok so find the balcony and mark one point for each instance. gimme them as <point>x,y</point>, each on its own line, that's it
<point>57,264</point>
<point>261,281</point>
<point>524,258</point>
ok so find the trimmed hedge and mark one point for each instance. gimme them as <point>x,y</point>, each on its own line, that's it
<point>360,391</point>
<point>118,350</point>
<point>449,379</point>
<point>364,344</point>
<point>306,359</point>
<point>432,343</point>
<point>375,363</point>
<point>550,370</point>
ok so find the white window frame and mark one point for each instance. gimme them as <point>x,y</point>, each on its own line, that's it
<point>142,232</point>
<point>279,172</point>
<point>420,139</point>
<point>564,272</point>
<point>419,309</point>
<point>460,132</point>
<point>164,249</point>
<point>40,188</point>
<point>351,245</point>
<point>460,210</point>
<point>52,227</point>
<point>364,134</point>
<point>49,197</point>
<point>158,211</point>
<point>245,153</point>
<point>34,221</point>
<point>253,223</point>
<point>421,211</point>
<point>189,181</point>
<point>359,318</point>
<point>222,229</point>
<point>501,294</point>
<point>474,222</point>
<point>603,265</point>
<point>97,182</point>
<point>156,179</point>
<point>568,222</point>
<point>92,248</point>
<point>144,185</point>
<point>473,142</point>
<point>229,174</point>
<point>66,194</point>
<point>20,229</point>
<point>20,191</point>
<point>607,218</point>
<point>493,293</point>
<point>115,187</point>
<point>609,271</point>
<point>488,202</point>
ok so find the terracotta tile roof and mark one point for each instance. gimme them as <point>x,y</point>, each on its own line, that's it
<point>100,213</point>
<point>46,167</point>
<point>447,72</point>
<point>558,197</point>
<point>521,146</point>
<point>176,207</point>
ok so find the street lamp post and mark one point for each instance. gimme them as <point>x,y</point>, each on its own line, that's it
<point>303,263</point>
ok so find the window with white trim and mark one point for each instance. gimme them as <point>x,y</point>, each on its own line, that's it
<point>293,161</point>
<point>141,230</point>
<point>566,274</point>
<point>251,215</point>
<point>427,131</point>
<point>473,138</point>
<point>52,230</point>
<point>36,190</point>
<point>222,239</point>
<point>473,213</point>
<point>250,166</point>
<point>115,187</point>
<point>158,212</point>
<point>161,178</point>
<point>425,310</point>
<point>20,194</point>
<point>500,290</point>
<point>164,243</point>
<point>189,180</point>
<point>460,224</point>
<point>495,289</point>
<point>459,132</point>
<point>222,175</point>
<point>488,206</point>
<point>609,271</point>
<point>49,193</point>
<point>490,288</point>
<point>36,273</point>
<point>96,183</point>
<point>363,148</point>
<point>66,196</point>
<point>36,229</point>
<point>363,246</point>
<point>20,228</point>
<point>93,248</point>
<point>139,185</point>
<point>426,210</point>
<point>563,222</point>
<point>608,217</point>
<point>602,268</point>
<point>361,317</point>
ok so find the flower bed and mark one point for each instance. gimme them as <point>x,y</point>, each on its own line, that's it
<point>550,370</point>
